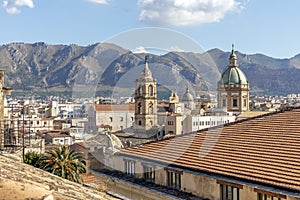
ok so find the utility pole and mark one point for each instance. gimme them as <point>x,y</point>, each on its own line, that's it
<point>23,142</point>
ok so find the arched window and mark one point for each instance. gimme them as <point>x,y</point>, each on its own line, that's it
<point>139,108</point>
<point>150,90</point>
<point>140,92</point>
<point>140,122</point>
<point>151,108</point>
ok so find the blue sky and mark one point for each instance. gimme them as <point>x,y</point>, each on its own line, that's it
<point>254,26</point>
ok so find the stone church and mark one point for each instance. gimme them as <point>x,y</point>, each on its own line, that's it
<point>233,88</point>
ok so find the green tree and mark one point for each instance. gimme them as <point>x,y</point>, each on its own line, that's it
<point>65,163</point>
<point>35,159</point>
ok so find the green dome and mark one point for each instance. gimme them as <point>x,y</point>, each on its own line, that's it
<point>187,96</point>
<point>233,75</point>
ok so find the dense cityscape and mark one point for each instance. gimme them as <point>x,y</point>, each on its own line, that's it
<point>120,139</point>
<point>150,100</point>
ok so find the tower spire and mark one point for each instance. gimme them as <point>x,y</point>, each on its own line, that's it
<point>232,58</point>
<point>146,73</point>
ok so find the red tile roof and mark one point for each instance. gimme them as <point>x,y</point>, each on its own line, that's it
<point>264,149</point>
<point>90,180</point>
<point>115,107</point>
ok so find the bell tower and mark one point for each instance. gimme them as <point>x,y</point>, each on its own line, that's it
<point>4,91</point>
<point>145,103</point>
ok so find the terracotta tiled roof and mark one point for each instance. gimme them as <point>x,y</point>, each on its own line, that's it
<point>90,180</point>
<point>115,107</point>
<point>264,149</point>
<point>55,135</point>
<point>250,114</point>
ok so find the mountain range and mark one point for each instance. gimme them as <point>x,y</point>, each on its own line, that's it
<point>103,69</point>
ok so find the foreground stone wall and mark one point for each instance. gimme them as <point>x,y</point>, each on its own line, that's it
<point>22,181</point>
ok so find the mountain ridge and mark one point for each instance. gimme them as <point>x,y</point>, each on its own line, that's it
<point>40,67</point>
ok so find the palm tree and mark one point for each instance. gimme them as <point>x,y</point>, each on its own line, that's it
<point>65,163</point>
<point>35,159</point>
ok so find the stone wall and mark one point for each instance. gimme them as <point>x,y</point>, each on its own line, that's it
<point>22,181</point>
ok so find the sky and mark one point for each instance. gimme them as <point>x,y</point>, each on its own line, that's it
<point>253,26</point>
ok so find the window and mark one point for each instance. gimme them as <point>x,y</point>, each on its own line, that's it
<point>150,90</point>
<point>132,119</point>
<point>149,173</point>
<point>171,123</point>
<point>110,119</point>
<point>234,103</point>
<point>151,108</point>
<point>224,102</point>
<point>140,91</point>
<point>174,179</point>
<point>129,167</point>
<point>140,122</point>
<point>121,127</point>
<point>140,108</point>
<point>121,119</point>
<point>266,195</point>
<point>229,192</point>
<point>245,103</point>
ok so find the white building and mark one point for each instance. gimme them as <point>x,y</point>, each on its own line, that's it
<point>197,122</point>
<point>58,139</point>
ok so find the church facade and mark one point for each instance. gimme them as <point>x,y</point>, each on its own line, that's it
<point>233,88</point>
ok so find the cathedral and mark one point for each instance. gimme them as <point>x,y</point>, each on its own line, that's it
<point>233,88</point>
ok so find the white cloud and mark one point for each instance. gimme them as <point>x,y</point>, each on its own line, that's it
<point>140,49</point>
<point>185,12</point>
<point>13,6</point>
<point>99,1</point>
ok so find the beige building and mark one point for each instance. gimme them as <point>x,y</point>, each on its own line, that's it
<point>114,117</point>
<point>174,124</point>
<point>254,159</point>
<point>233,88</point>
